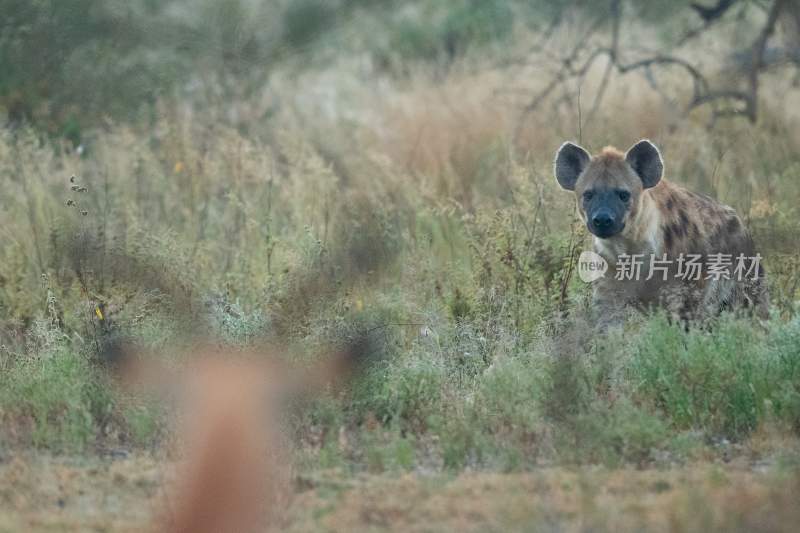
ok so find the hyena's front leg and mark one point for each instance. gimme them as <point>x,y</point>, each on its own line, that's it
<point>610,301</point>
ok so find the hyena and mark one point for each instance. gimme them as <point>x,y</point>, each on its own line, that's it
<point>638,218</point>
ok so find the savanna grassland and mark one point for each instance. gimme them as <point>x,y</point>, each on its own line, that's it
<point>301,173</point>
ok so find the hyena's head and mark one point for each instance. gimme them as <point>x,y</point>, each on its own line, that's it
<point>609,185</point>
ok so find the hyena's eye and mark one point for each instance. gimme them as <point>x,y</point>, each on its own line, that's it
<point>588,195</point>
<point>624,195</point>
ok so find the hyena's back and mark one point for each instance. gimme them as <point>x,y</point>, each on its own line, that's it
<point>697,224</point>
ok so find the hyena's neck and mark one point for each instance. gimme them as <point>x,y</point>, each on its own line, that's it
<point>642,234</point>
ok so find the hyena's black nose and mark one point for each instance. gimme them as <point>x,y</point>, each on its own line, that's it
<point>603,220</point>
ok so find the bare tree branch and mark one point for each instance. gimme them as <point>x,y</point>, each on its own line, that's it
<point>758,55</point>
<point>565,72</point>
<point>703,94</point>
<point>616,17</point>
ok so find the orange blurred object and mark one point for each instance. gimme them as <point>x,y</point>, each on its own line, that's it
<point>224,485</point>
<point>229,410</point>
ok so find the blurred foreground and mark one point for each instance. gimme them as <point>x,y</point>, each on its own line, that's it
<point>116,495</point>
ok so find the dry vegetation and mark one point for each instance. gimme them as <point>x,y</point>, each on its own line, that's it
<point>392,175</point>
<point>119,495</point>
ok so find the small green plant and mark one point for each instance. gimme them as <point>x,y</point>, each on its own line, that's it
<point>59,395</point>
<point>721,379</point>
<point>143,422</point>
<point>406,391</point>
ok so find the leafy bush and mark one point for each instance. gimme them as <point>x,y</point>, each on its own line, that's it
<point>64,59</point>
<point>57,393</point>
<point>723,380</point>
<point>612,435</point>
<point>408,390</point>
<point>446,32</point>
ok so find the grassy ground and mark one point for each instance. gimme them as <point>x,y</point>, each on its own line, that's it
<point>393,185</point>
<point>119,494</point>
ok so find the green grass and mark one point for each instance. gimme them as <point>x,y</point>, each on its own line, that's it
<point>302,173</point>
<point>655,393</point>
<point>319,206</point>
<point>56,398</point>
<point>662,393</point>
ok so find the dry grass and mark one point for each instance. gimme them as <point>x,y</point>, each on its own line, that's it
<point>561,500</point>
<point>240,202</point>
<point>53,494</point>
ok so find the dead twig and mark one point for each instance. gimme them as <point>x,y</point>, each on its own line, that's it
<point>702,93</point>
<point>564,73</point>
<point>616,17</point>
<point>758,56</point>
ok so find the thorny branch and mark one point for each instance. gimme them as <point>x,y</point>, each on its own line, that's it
<point>616,16</point>
<point>758,55</point>
<point>703,93</point>
<point>564,73</point>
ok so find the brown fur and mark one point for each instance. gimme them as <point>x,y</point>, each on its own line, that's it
<point>668,219</point>
<point>227,481</point>
<point>234,471</point>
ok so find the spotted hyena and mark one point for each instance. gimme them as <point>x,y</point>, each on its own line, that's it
<point>665,245</point>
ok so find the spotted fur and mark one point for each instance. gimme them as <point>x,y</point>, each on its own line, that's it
<point>630,209</point>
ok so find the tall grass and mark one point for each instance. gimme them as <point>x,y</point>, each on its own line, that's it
<point>410,207</point>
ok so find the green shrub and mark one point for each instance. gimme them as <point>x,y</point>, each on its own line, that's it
<point>443,32</point>
<point>784,345</point>
<point>508,395</point>
<point>407,391</point>
<point>611,434</point>
<point>721,379</point>
<point>305,20</point>
<point>143,422</point>
<point>476,23</point>
<point>60,394</point>
<point>387,451</point>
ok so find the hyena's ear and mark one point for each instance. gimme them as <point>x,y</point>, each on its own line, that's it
<point>571,159</point>
<point>645,159</point>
